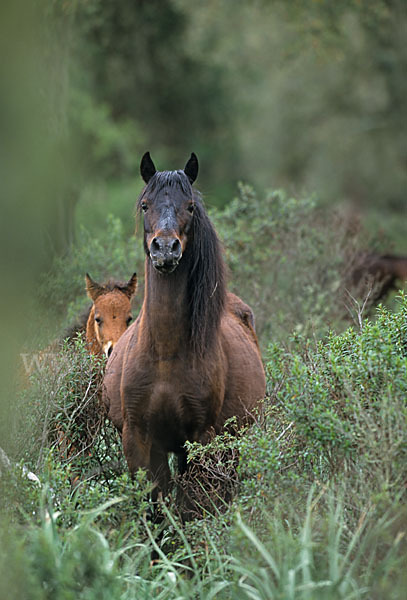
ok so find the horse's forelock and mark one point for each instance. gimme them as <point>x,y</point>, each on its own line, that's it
<point>112,285</point>
<point>174,180</point>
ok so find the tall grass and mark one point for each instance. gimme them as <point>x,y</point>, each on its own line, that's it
<point>316,558</point>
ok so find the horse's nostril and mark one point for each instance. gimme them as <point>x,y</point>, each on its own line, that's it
<point>176,247</point>
<point>155,246</point>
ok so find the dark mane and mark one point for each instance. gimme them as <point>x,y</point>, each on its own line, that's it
<point>206,273</point>
<point>206,281</point>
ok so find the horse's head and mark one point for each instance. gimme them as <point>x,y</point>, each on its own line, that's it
<point>168,205</point>
<point>111,311</point>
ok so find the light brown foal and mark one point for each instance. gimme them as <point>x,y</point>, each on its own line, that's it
<point>110,314</point>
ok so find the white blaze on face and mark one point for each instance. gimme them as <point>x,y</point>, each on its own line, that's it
<point>107,348</point>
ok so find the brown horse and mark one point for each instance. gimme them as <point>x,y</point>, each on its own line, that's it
<point>383,272</point>
<point>191,360</point>
<point>103,324</point>
<point>110,314</point>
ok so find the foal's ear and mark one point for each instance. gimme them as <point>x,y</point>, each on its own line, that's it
<point>191,168</point>
<point>130,288</point>
<point>147,168</point>
<point>93,289</point>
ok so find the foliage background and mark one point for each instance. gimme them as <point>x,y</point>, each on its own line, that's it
<point>308,97</point>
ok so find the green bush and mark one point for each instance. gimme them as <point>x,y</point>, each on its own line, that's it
<point>110,255</point>
<point>346,395</point>
<point>307,502</point>
<point>61,406</point>
<point>318,482</point>
<point>336,411</point>
<point>288,259</point>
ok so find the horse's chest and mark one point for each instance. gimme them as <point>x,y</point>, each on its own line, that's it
<point>171,406</point>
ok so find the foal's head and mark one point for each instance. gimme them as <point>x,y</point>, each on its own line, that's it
<point>110,314</point>
<point>168,203</point>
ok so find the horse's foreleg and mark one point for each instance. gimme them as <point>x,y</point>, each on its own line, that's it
<point>136,449</point>
<point>182,462</point>
<point>159,472</point>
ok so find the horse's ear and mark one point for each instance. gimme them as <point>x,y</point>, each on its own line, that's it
<point>147,168</point>
<point>131,287</point>
<point>191,168</point>
<point>93,289</point>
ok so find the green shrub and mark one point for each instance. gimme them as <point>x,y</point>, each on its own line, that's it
<point>288,259</point>
<point>336,411</point>
<point>110,255</point>
<point>61,407</point>
<point>307,502</point>
<point>62,434</point>
<point>346,395</point>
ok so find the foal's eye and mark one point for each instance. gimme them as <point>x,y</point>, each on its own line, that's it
<point>144,206</point>
<point>98,320</point>
<point>190,208</point>
<point>129,320</point>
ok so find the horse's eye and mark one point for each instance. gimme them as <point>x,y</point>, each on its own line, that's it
<point>98,320</point>
<point>190,208</point>
<point>129,320</point>
<point>144,206</point>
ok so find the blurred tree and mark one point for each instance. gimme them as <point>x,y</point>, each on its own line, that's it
<point>301,94</point>
<point>35,171</point>
<point>321,90</point>
<point>140,66</point>
<point>354,54</point>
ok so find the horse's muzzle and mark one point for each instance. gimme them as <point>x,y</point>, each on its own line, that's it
<point>165,253</point>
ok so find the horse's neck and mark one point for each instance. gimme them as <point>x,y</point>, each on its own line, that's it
<point>91,339</point>
<point>166,311</point>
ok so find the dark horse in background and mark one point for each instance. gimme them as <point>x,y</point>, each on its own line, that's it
<point>382,272</point>
<point>191,360</point>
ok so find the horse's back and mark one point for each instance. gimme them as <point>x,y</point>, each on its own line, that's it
<point>241,310</point>
<point>245,379</point>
